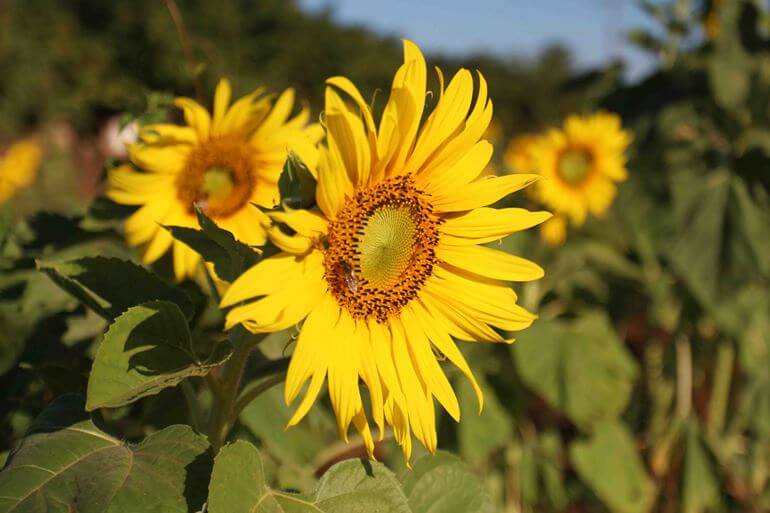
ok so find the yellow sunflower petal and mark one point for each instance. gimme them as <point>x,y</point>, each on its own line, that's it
<point>484,225</point>
<point>312,344</point>
<point>481,193</point>
<point>308,223</point>
<point>491,263</point>
<point>429,369</point>
<point>222,96</point>
<point>195,116</point>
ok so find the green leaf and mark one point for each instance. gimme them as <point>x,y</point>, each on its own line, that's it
<point>696,254</point>
<point>701,492</point>
<point>610,465</point>
<point>730,67</point>
<point>295,449</point>
<point>103,214</point>
<point>145,350</point>
<point>238,486</point>
<point>65,463</point>
<point>579,368</point>
<point>480,435</point>
<point>442,483</point>
<point>217,246</point>
<point>109,286</point>
<point>296,184</point>
<point>750,219</point>
<point>13,335</point>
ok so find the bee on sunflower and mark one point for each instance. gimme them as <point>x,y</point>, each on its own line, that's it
<point>391,264</point>
<point>18,167</point>
<point>221,161</point>
<point>580,163</point>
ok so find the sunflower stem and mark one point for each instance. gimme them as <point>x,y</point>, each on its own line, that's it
<point>683,377</point>
<point>254,391</point>
<point>184,41</point>
<point>230,383</point>
<point>720,391</point>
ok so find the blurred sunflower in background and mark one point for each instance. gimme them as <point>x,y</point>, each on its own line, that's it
<point>19,166</point>
<point>580,163</point>
<point>222,162</point>
<point>391,264</point>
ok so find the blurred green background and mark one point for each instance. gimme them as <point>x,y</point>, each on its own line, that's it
<point>645,385</point>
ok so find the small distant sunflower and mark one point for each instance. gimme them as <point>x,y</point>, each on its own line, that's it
<point>18,167</point>
<point>518,156</point>
<point>391,265</point>
<point>580,165</point>
<point>221,162</point>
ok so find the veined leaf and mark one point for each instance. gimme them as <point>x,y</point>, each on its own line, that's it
<point>610,465</point>
<point>580,368</point>
<point>238,486</point>
<point>65,463</point>
<point>442,483</point>
<point>109,286</point>
<point>145,350</point>
<point>217,246</point>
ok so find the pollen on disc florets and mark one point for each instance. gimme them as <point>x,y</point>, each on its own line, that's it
<point>218,176</point>
<point>380,249</point>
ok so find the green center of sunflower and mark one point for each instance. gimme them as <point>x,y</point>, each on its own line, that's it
<point>380,250</point>
<point>217,183</point>
<point>574,166</point>
<point>219,176</point>
<point>386,245</point>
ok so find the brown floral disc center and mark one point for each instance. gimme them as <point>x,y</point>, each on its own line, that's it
<point>218,176</point>
<point>380,249</point>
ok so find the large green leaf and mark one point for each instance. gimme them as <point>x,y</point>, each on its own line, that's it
<point>580,368</point>
<point>442,483</point>
<point>109,286</point>
<point>217,246</point>
<point>696,253</point>
<point>145,350</point>
<point>610,465</point>
<point>238,486</point>
<point>65,464</point>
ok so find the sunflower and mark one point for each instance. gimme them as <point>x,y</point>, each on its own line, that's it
<point>580,164</point>
<point>517,154</point>
<point>221,162</point>
<point>391,264</point>
<point>18,167</point>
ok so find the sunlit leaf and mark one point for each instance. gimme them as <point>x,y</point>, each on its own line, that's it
<point>145,350</point>
<point>65,463</point>
<point>238,486</point>
<point>610,465</point>
<point>442,483</point>
<point>580,367</point>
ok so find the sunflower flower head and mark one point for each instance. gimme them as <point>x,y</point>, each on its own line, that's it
<point>18,167</point>
<point>518,153</point>
<point>221,161</point>
<point>390,265</point>
<point>581,164</point>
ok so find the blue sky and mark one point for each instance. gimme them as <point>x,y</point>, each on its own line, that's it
<point>592,29</point>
